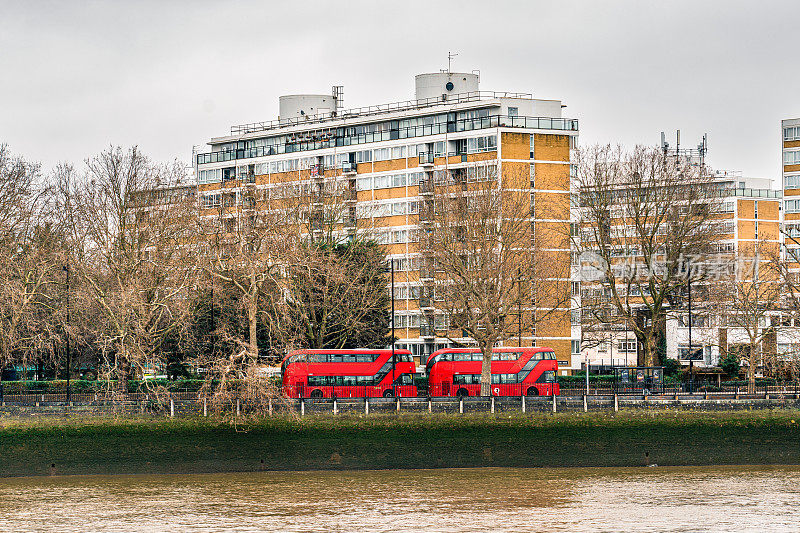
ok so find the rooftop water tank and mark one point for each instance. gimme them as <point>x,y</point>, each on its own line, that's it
<point>294,106</point>
<point>441,84</point>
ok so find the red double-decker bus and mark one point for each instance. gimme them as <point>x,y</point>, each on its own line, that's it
<point>348,374</point>
<point>515,372</point>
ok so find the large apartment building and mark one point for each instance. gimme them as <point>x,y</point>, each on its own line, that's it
<point>387,159</point>
<point>790,135</point>
<point>749,214</point>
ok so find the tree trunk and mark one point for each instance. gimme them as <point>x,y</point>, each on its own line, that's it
<point>486,370</point>
<point>751,370</point>
<point>648,348</point>
<point>253,341</point>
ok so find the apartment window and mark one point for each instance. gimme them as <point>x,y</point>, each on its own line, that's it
<point>513,111</point>
<point>576,347</point>
<point>382,182</point>
<point>381,154</point>
<point>210,176</point>
<point>533,176</point>
<point>792,206</point>
<point>791,182</point>
<point>208,201</point>
<point>364,184</point>
<point>575,317</point>
<point>626,346</point>
<point>576,288</point>
<point>791,157</point>
<point>791,133</point>
<point>573,142</point>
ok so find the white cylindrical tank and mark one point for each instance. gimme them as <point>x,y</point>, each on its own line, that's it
<point>435,84</point>
<point>292,106</point>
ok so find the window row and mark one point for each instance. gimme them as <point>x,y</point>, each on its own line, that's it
<point>387,209</point>
<point>791,157</point>
<point>398,236</point>
<point>791,133</point>
<point>792,182</point>
<point>476,144</point>
<point>475,379</point>
<point>388,181</point>
<point>792,206</point>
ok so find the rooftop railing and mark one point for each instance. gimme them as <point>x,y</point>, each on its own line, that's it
<point>754,193</point>
<point>406,105</point>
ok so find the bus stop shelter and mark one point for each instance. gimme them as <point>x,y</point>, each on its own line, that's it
<point>639,380</point>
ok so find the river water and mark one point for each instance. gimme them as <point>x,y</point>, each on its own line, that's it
<point>488,499</point>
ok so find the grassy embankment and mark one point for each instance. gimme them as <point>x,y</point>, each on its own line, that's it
<point>109,446</point>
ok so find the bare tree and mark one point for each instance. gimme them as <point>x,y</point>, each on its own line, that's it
<point>494,275</point>
<point>643,215</point>
<point>749,302</point>
<point>28,262</point>
<point>134,254</point>
<point>337,295</point>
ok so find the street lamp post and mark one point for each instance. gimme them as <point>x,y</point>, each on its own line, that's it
<point>394,361</point>
<point>691,353</point>
<point>519,306</point>
<point>65,268</point>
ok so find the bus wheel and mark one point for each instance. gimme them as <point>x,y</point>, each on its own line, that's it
<point>388,394</point>
<point>316,393</point>
<point>462,392</point>
<point>533,391</point>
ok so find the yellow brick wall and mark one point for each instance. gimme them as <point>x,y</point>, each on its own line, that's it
<point>551,176</point>
<point>551,147</point>
<point>768,210</point>
<point>515,145</point>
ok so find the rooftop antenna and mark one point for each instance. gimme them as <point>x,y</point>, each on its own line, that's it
<point>702,149</point>
<point>337,91</point>
<point>450,56</point>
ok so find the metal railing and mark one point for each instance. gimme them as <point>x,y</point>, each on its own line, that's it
<point>342,140</point>
<point>379,109</point>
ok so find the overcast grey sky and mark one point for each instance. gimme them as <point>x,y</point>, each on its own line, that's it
<point>78,76</point>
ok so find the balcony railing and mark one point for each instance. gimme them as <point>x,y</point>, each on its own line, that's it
<point>426,158</point>
<point>425,186</point>
<point>753,193</point>
<point>340,137</point>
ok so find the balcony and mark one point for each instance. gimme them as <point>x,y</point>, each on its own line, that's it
<point>426,159</point>
<point>426,330</point>
<point>426,303</point>
<point>425,214</point>
<point>426,186</point>
<point>349,168</point>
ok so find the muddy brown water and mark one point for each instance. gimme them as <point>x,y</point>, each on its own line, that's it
<point>455,500</point>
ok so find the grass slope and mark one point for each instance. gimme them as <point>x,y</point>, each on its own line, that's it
<point>109,446</point>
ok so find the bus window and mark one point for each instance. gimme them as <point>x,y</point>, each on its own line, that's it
<point>404,379</point>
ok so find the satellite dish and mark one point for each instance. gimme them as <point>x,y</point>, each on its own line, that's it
<point>449,86</point>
